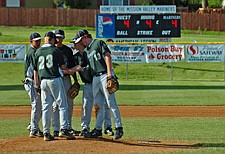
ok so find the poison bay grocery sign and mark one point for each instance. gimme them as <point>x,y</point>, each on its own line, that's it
<point>164,53</point>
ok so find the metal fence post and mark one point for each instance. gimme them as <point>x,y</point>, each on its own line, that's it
<point>171,71</point>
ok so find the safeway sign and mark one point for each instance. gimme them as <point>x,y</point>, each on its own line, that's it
<point>164,53</point>
<point>205,53</point>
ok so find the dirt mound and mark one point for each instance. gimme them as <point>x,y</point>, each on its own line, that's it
<point>81,145</point>
<point>106,144</point>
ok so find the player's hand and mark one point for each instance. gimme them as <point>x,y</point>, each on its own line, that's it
<point>38,89</point>
<point>66,71</point>
<point>77,68</point>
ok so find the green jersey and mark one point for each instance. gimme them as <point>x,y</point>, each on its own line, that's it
<point>48,59</point>
<point>86,74</point>
<point>67,55</point>
<point>96,51</point>
<point>29,63</point>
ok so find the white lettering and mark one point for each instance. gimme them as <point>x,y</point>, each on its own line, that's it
<point>144,17</point>
<point>166,32</point>
<point>100,26</point>
<point>142,32</point>
<point>123,17</point>
<point>171,17</point>
<point>122,32</point>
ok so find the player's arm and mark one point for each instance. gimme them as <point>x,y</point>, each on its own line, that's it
<point>108,61</point>
<point>36,81</point>
<point>72,70</point>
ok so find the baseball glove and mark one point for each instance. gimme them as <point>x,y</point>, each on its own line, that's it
<point>74,90</point>
<point>112,84</point>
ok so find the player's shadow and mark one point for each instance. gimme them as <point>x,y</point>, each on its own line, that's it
<point>211,145</point>
<point>147,143</point>
<point>155,143</point>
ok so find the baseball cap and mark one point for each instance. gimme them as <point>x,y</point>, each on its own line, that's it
<point>59,33</point>
<point>78,36</point>
<point>51,35</point>
<point>35,36</point>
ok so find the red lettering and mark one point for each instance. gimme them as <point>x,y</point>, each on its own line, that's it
<point>175,49</point>
<point>149,48</point>
<point>149,23</point>
<point>174,22</point>
<point>166,57</point>
<point>127,23</point>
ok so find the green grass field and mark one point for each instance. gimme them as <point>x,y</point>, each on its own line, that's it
<point>134,91</point>
<point>147,84</point>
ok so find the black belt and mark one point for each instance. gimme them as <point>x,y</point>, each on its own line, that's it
<point>66,75</point>
<point>100,73</point>
<point>50,77</point>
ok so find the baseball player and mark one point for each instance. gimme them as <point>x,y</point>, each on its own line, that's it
<point>67,56</point>
<point>101,63</point>
<point>48,59</point>
<point>88,100</point>
<point>35,40</point>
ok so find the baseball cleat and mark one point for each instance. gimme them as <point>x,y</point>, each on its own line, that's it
<point>95,133</point>
<point>56,133</point>
<point>109,131</point>
<point>74,132</point>
<point>33,134</point>
<point>48,137</point>
<point>36,134</point>
<point>85,133</point>
<point>29,127</point>
<point>119,132</point>
<point>40,134</point>
<point>65,133</point>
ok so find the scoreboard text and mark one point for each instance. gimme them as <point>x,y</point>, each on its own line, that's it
<point>138,25</point>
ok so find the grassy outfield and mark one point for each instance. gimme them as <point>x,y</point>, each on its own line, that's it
<point>132,91</point>
<point>22,33</point>
<point>200,36</point>
<point>142,93</point>
<point>147,84</point>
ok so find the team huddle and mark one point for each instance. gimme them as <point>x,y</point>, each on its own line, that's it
<point>48,71</point>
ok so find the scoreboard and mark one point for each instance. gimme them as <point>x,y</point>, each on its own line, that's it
<point>138,25</point>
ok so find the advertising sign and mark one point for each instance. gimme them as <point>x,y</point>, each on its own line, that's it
<point>205,53</point>
<point>128,53</point>
<point>164,53</point>
<point>138,40</point>
<point>12,52</point>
